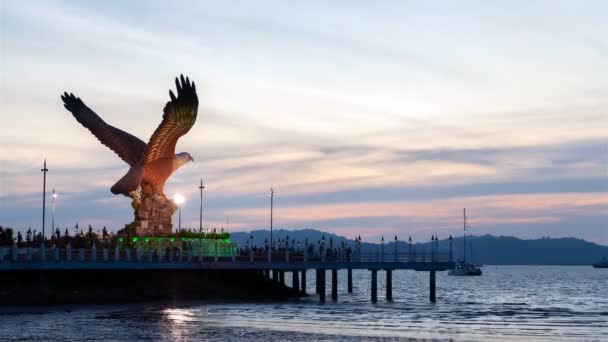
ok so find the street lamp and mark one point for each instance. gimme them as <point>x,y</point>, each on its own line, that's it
<point>179,199</point>
<point>54,195</point>
<point>44,171</point>
<point>271,200</point>
<point>200,224</point>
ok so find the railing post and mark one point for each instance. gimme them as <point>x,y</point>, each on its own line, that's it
<point>127,254</point>
<point>170,254</point>
<point>42,251</point>
<point>232,253</point>
<point>306,250</point>
<point>149,255</point>
<point>29,253</point>
<point>250,254</point>
<point>180,251</point>
<point>93,253</point>
<point>68,252</point>
<point>396,249</point>
<point>116,253</point>
<point>350,280</point>
<point>287,255</point>
<point>81,253</point>
<point>215,248</point>
<point>56,253</point>
<point>269,254</point>
<point>105,254</point>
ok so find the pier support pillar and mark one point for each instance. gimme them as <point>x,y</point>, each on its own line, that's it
<point>374,286</point>
<point>317,286</point>
<point>334,285</point>
<point>432,285</point>
<point>389,285</point>
<point>275,276</point>
<point>321,285</point>
<point>282,277</point>
<point>295,280</point>
<point>350,280</point>
<point>303,286</point>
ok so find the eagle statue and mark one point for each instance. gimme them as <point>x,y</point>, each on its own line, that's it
<point>150,164</point>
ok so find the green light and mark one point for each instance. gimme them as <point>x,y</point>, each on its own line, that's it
<point>146,239</point>
<point>172,239</point>
<point>135,239</point>
<point>159,239</point>
<point>120,239</point>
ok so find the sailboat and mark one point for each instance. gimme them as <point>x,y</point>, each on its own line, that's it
<point>462,267</point>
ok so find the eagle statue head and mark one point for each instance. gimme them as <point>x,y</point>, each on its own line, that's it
<point>182,159</point>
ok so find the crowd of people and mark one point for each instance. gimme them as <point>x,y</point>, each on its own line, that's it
<point>297,248</point>
<point>78,238</point>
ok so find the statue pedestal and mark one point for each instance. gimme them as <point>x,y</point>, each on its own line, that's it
<point>152,215</point>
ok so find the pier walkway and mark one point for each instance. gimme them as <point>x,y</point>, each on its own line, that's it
<point>272,265</point>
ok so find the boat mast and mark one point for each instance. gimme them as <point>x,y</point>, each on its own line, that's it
<point>464,239</point>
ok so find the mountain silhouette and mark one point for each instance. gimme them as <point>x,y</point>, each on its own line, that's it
<point>486,249</point>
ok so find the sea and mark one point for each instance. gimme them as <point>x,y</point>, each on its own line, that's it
<point>507,303</point>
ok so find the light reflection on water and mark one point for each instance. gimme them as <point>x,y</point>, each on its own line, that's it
<point>518,303</point>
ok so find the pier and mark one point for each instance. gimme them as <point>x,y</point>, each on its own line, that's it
<point>271,265</point>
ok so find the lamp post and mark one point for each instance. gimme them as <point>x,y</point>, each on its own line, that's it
<point>200,224</point>
<point>53,220</point>
<point>44,171</point>
<point>271,205</point>
<point>179,199</point>
<point>409,248</point>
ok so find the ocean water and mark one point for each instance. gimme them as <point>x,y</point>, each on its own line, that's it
<point>520,303</point>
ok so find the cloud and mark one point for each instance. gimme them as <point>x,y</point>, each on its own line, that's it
<point>354,115</point>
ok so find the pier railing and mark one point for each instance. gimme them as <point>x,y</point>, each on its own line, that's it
<point>233,254</point>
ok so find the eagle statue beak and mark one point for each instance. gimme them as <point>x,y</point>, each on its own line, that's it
<point>191,159</point>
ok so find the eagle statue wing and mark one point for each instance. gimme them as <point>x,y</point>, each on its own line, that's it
<point>128,147</point>
<point>179,116</point>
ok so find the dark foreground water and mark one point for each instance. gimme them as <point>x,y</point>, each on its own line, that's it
<point>521,303</point>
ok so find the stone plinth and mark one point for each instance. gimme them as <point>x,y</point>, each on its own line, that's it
<point>153,214</point>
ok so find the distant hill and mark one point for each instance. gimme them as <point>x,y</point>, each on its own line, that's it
<point>486,249</point>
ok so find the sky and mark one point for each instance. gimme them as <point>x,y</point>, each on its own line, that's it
<point>369,118</point>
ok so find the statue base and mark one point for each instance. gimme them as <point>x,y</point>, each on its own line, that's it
<point>152,213</point>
